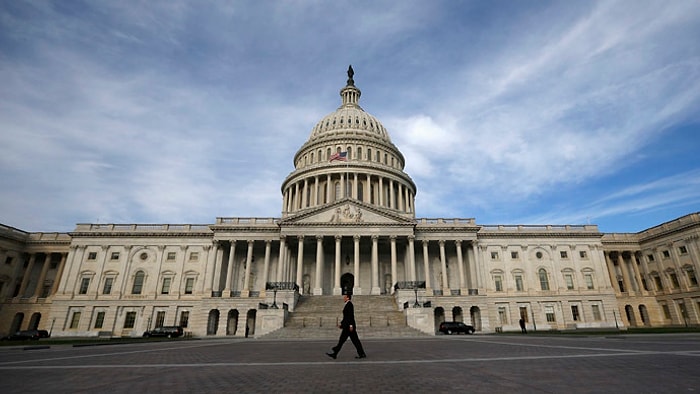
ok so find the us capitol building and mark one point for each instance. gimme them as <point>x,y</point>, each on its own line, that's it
<point>347,225</point>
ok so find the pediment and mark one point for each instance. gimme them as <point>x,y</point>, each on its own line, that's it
<point>347,212</point>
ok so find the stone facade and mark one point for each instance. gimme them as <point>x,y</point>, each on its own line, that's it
<point>348,225</point>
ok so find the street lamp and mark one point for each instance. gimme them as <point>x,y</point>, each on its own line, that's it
<point>416,305</point>
<point>274,299</point>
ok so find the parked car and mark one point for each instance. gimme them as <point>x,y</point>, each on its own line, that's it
<point>165,331</point>
<point>24,335</point>
<point>450,327</point>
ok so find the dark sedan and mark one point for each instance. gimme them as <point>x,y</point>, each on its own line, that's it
<point>25,335</point>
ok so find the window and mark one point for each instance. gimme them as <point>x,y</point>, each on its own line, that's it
<point>160,319</point>
<point>667,312</point>
<point>194,256</point>
<point>514,255</point>
<point>544,280</point>
<point>499,282</point>
<point>589,281</point>
<point>166,286</point>
<point>84,284</point>
<point>691,277</point>
<point>130,320</point>
<point>523,313</point>
<point>657,282</point>
<point>574,313</point>
<point>494,255</point>
<point>114,256</point>
<point>92,256</point>
<point>502,315</point>
<point>666,254</point>
<point>184,318</point>
<point>519,282</point>
<point>549,313</point>
<point>99,320</point>
<point>569,279</point>
<point>674,280</point>
<point>683,249</point>
<point>171,256</point>
<point>583,254</point>
<point>538,255</point>
<point>138,283</point>
<point>596,312</point>
<point>564,254</point>
<point>650,257</point>
<point>107,289</point>
<point>189,285</point>
<point>75,320</point>
<point>8,260</point>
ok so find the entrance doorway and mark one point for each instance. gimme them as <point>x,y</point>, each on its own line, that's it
<point>347,282</point>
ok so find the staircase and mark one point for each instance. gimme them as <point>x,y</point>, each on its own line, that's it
<point>317,317</point>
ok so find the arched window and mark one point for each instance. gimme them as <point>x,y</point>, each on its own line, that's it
<point>312,157</point>
<point>369,154</point>
<point>359,153</point>
<point>349,152</point>
<point>544,281</point>
<point>138,283</point>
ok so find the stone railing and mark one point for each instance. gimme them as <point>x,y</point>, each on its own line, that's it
<point>142,228</point>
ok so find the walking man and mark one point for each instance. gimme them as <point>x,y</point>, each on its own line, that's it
<point>349,330</point>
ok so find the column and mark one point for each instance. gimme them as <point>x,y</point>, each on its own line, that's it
<point>625,273</point>
<point>356,270</point>
<point>400,201</point>
<point>411,258</point>
<point>316,202</point>
<point>247,269</point>
<point>443,264</point>
<point>460,263</point>
<point>300,263</point>
<point>229,271</point>
<point>343,186</point>
<point>637,274</point>
<point>318,281</point>
<point>280,262</point>
<point>42,276</point>
<point>59,273</point>
<point>611,271</point>
<point>392,202</point>
<point>375,266</point>
<point>328,188</point>
<point>368,189</point>
<point>336,275</point>
<point>392,240</point>
<point>26,276</point>
<point>426,267</point>
<point>218,266</point>
<point>381,192</point>
<point>354,186</point>
<point>266,267</point>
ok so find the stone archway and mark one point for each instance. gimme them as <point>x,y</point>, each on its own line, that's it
<point>475,314</point>
<point>457,314</point>
<point>213,322</point>
<point>34,321</point>
<point>439,314</point>
<point>250,323</point>
<point>629,312</point>
<point>347,282</point>
<point>17,322</point>
<point>232,322</point>
<point>644,315</point>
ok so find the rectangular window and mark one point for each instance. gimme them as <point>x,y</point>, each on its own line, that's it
<point>564,254</point>
<point>194,256</point>
<point>583,254</point>
<point>513,255</point>
<point>574,313</point>
<point>100,319</point>
<point>107,289</point>
<point>523,313</point>
<point>650,257</point>
<point>596,312</point>
<point>45,291</point>
<point>171,256</point>
<point>130,320</point>
<point>502,316</point>
<point>683,249</point>
<point>657,282</point>
<point>674,281</point>
<point>667,312</point>
<point>92,256</point>
<point>189,285</point>
<point>84,284</point>
<point>589,281</point>
<point>160,319</point>
<point>494,255</point>
<point>166,286</point>
<point>184,318</point>
<point>549,313</point>
<point>499,282</point>
<point>519,282</point>
<point>569,281</point>
<point>666,254</point>
<point>75,320</point>
<point>114,256</point>
<point>692,278</point>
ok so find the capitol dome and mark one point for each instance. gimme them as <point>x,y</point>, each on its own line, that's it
<point>349,155</point>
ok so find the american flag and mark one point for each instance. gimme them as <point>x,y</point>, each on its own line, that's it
<point>341,156</point>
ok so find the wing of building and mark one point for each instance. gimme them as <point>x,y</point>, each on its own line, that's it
<point>347,225</point>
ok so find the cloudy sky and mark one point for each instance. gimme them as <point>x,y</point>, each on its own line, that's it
<point>510,112</point>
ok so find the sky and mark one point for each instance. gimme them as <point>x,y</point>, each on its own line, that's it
<point>509,112</point>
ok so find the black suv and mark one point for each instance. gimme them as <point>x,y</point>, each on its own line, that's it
<point>166,331</point>
<point>450,327</point>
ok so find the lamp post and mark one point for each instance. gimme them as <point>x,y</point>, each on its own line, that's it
<point>274,299</point>
<point>416,305</point>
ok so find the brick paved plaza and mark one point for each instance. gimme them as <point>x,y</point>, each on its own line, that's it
<point>480,363</point>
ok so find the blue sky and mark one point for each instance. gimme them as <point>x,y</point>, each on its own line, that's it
<point>509,112</point>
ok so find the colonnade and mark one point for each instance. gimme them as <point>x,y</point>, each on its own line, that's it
<point>25,273</point>
<point>371,189</point>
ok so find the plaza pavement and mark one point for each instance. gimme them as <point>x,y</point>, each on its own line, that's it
<point>668,363</point>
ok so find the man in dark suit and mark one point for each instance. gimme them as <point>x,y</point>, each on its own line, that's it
<point>349,330</point>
